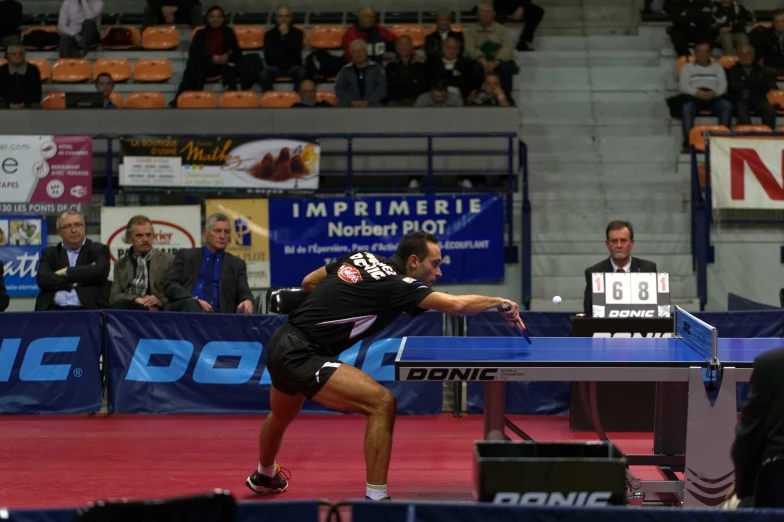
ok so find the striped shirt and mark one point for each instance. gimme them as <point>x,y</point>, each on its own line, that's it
<point>695,77</point>
<point>73,13</point>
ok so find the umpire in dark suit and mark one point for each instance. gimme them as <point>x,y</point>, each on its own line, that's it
<point>4,300</point>
<point>209,279</point>
<point>620,241</point>
<point>73,275</point>
<point>760,433</point>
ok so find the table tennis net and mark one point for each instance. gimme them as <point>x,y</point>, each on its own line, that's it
<point>698,335</point>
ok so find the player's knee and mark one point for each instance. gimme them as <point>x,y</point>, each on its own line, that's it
<point>385,403</point>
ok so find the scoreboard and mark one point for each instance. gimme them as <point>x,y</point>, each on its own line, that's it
<point>635,294</point>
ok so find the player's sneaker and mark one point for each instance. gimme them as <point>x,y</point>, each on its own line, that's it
<point>263,484</point>
<point>386,497</point>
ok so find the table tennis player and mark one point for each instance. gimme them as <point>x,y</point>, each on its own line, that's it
<point>351,299</point>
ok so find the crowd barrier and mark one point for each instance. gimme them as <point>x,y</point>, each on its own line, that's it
<point>161,363</point>
<point>362,511</point>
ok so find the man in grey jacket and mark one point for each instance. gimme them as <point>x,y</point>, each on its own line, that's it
<point>704,84</point>
<point>362,82</point>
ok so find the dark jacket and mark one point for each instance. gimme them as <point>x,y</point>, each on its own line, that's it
<point>760,433</point>
<point>125,271</point>
<point>90,274</point>
<point>405,81</point>
<point>691,13</point>
<point>283,51</point>
<point>638,265</point>
<point>20,89</point>
<point>466,80</point>
<point>4,299</point>
<point>433,42</point>
<point>197,53</point>
<point>768,48</point>
<point>735,16</point>
<point>10,18</point>
<point>752,85</point>
<point>184,274</point>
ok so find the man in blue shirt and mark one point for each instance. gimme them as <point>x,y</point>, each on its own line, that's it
<point>209,279</point>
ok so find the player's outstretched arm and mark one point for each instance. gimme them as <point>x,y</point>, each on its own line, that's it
<point>313,279</point>
<point>471,305</point>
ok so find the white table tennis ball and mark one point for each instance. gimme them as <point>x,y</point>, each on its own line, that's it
<point>557,300</point>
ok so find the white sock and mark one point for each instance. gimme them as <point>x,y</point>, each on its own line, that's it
<point>376,492</point>
<point>267,472</point>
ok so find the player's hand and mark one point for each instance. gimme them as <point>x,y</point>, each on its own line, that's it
<point>246,307</point>
<point>205,306</point>
<point>511,314</point>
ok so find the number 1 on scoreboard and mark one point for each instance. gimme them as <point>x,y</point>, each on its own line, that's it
<point>598,283</point>
<point>663,283</point>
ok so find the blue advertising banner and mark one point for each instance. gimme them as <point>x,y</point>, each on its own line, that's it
<point>49,362</point>
<point>21,240</point>
<point>214,363</point>
<point>553,398</point>
<point>307,233</point>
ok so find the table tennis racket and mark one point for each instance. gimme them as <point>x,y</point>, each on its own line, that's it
<point>517,328</point>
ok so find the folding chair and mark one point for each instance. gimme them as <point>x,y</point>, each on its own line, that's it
<point>284,300</point>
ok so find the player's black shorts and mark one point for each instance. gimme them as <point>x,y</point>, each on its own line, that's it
<point>295,364</point>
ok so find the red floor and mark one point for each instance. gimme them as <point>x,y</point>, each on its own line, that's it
<point>67,461</point>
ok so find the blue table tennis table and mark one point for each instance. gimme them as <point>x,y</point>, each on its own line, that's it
<point>710,366</point>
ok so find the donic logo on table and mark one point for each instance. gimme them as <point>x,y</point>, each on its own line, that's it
<point>42,360</point>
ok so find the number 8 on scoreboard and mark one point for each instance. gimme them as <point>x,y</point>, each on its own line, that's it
<point>636,294</point>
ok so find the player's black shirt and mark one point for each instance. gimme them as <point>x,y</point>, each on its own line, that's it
<point>361,294</point>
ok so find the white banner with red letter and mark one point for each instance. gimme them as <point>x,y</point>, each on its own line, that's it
<point>746,173</point>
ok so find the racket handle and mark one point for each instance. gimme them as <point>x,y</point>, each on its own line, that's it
<point>519,330</point>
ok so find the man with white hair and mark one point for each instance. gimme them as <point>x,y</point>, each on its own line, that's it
<point>362,82</point>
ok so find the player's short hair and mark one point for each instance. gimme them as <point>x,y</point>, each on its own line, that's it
<point>415,243</point>
<point>619,225</point>
<point>136,220</point>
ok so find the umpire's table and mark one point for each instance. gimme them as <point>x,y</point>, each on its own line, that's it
<point>695,355</point>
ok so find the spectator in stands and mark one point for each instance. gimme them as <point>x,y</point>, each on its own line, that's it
<point>456,70</point>
<point>73,275</point>
<point>209,279</point>
<point>104,84</point>
<point>434,41</point>
<point>307,96</point>
<point>379,40</point>
<point>78,27</point>
<point>489,43</point>
<point>520,11</point>
<point>172,12</point>
<point>20,82</point>
<point>759,435</point>
<point>10,21</point>
<point>140,274</point>
<point>214,53</point>
<point>4,299</point>
<point>691,22</point>
<point>283,51</point>
<point>747,88</point>
<point>768,44</point>
<point>439,96</point>
<point>406,78</point>
<point>491,94</point>
<point>728,24</point>
<point>619,240</point>
<point>703,83</point>
<point>362,82</point>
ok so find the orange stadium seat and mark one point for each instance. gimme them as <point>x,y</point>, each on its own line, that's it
<point>250,36</point>
<point>3,61</point>
<point>454,27</point>
<point>327,36</point>
<point>414,31</point>
<point>160,37</point>
<point>728,61</point>
<point>197,100</point>
<point>239,100</point>
<point>752,128</point>
<point>136,38</point>
<point>279,99</point>
<point>145,100</point>
<point>48,29</point>
<point>327,96</point>
<point>304,33</point>
<point>776,98</point>
<point>71,70</point>
<point>152,70</point>
<point>117,99</point>
<point>681,62</point>
<point>43,67</point>
<point>53,100</point>
<point>196,30</point>
<point>696,137</point>
<point>118,68</point>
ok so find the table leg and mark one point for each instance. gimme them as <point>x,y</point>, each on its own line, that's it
<point>709,435</point>
<point>495,410</point>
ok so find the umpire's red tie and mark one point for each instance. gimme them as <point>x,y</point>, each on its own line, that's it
<point>621,270</point>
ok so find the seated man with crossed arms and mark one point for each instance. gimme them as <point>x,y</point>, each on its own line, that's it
<point>619,242</point>
<point>209,279</point>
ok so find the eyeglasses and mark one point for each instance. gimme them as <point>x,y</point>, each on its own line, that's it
<point>75,226</point>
